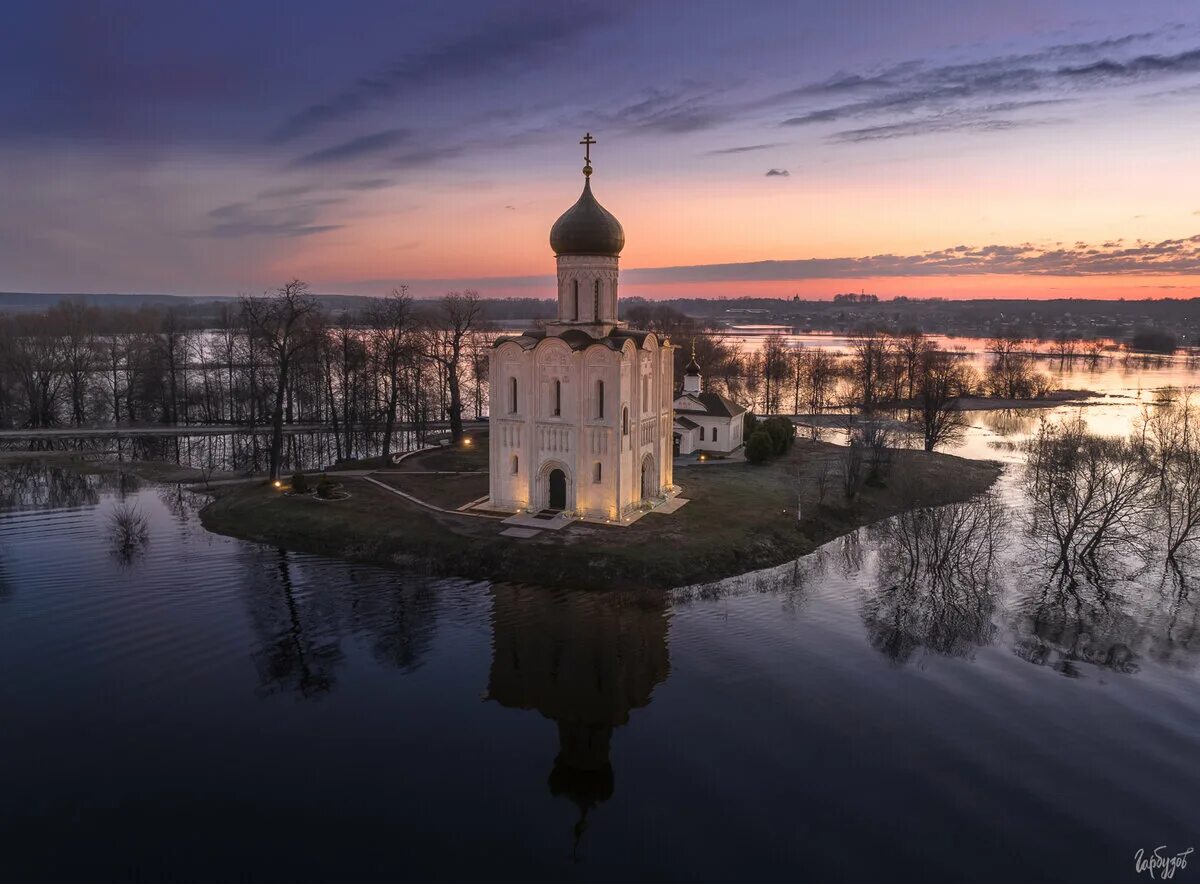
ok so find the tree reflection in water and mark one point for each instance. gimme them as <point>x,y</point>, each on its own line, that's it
<point>300,619</point>
<point>35,485</point>
<point>935,579</point>
<point>584,660</point>
<point>1008,421</point>
<point>1107,612</point>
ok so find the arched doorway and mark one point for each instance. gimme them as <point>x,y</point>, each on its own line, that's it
<point>558,490</point>
<point>649,478</point>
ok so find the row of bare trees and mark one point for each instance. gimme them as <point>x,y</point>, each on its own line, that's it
<point>271,360</point>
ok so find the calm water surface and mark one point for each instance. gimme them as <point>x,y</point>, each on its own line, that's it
<point>182,705</point>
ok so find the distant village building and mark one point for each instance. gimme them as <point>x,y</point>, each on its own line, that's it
<point>580,411</point>
<point>705,421</point>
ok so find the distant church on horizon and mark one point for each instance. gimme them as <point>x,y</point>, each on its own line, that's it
<point>581,411</point>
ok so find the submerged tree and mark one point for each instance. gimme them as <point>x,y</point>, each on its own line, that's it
<point>1089,496</point>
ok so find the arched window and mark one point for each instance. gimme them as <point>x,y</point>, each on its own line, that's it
<point>558,398</point>
<point>600,399</point>
<point>596,302</point>
<point>512,395</point>
<point>516,465</point>
<point>576,314</point>
<point>702,434</point>
<point>596,473</point>
<point>625,421</point>
<point>714,438</point>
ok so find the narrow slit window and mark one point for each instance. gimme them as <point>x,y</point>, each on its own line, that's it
<point>600,399</point>
<point>596,301</point>
<point>597,473</point>
<point>702,434</point>
<point>516,465</point>
<point>512,395</point>
<point>625,421</point>
<point>558,398</point>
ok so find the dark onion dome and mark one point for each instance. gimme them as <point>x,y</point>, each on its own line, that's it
<point>587,228</point>
<point>692,367</point>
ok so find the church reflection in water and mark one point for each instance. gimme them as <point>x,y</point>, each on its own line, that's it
<point>585,660</point>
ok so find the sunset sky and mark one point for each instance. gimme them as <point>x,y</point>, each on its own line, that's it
<point>1030,148</point>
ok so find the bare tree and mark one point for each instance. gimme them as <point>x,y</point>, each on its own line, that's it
<point>820,378</point>
<point>869,364</point>
<point>774,372</point>
<point>80,354</point>
<point>35,357</point>
<point>1089,495</point>
<point>458,315</point>
<point>278,320</point>
<point>910,347</point>
<point>391,321</point>
<point>938,386</point>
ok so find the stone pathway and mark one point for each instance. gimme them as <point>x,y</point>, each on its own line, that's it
<point>520,533</point>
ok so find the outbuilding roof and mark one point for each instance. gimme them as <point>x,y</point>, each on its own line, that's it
<point>713,405</point>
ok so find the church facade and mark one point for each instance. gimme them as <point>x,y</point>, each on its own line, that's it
<point>580,411</point>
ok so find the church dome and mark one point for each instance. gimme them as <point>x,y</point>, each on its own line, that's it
<point>587,228</point>
<point>692,367</point>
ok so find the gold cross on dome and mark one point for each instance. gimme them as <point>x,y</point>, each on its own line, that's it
<point>587,143</point>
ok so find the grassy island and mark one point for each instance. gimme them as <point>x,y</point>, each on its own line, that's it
<point>739,518</point>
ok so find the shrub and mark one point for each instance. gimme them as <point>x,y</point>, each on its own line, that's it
<point>782,433</point>
<point>325,487</point>
<point>299,484</point>
<point>760,447</point>
<point>749,424</point>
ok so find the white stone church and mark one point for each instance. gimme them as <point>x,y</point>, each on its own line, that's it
<point>581,413</point>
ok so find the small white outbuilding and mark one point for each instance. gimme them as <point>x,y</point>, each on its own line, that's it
<point>705,421</point>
